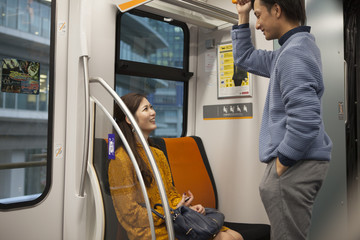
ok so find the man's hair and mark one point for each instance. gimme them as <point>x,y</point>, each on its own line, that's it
<point>294,10</point>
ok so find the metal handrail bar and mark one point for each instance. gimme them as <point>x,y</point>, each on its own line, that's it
<point>38,155</point>
<point>211,8</point>
<point>135,164</point>
<point>85,59</point>
<point>158,179</point>
<point>205,9</point>
<point>26,164</point>
<point>22,165</point>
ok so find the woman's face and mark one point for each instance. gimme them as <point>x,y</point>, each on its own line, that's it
<point>145,117</point>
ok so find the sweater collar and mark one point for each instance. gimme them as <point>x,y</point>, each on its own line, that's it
<point>287,35</point>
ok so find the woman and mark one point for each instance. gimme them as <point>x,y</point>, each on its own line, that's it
<point>124,185</point>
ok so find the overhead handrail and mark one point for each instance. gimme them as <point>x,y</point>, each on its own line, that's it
<point>134,162</point>
<point>157,176</point>
<point>206,9</point>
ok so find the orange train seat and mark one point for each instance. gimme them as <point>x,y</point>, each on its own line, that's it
<point>191,171</point>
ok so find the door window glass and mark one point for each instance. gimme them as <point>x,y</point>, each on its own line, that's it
<point>25,101</point>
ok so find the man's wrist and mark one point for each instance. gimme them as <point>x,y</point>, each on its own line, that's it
<point>244,18</point>
<point>245,25</point>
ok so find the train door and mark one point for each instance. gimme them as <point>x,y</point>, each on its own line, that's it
<point>352,56</point>
<point>32,119</point>
<point>330,210</point>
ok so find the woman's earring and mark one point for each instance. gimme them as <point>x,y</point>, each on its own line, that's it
<point>133,129</point>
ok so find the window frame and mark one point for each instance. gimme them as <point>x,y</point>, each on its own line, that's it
<point>49,154</point>
<point>140,69</point>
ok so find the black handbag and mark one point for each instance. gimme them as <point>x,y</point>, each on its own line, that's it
<point>191,225</point>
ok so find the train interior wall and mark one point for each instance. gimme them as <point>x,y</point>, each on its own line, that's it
<point>232,144</point>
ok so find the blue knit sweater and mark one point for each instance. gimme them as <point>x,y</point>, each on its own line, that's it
<point>292,127</point>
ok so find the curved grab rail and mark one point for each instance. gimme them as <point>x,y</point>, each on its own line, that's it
<point>163,196</point>
<point>133,160</point>
<point>99,210</point>
<point>86,128</point>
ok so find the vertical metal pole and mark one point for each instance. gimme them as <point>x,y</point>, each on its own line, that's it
<point>86,127</point>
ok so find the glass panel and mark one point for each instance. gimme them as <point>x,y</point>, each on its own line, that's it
<point>167,97</point>
<point>1,100</point>
<point>11,13</point>
<point>151,41</point>
<point>43,95</point>
<point>2,12</point>
<point>34,9</point>
<point>45,21</point>
<point>24,16</point>
<point>24,79</point>
<point>10,100</point>
<point>26,182</point>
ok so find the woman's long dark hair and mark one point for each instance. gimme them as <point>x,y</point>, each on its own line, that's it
<point>132,101</point>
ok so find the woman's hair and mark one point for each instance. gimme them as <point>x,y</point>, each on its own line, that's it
<point>294,10</point>
<point>132,101</point>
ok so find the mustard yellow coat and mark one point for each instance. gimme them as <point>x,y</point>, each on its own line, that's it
<point>128,199</point>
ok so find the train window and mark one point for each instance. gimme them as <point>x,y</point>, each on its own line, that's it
<point>26,84</point>
<point>152,58</point>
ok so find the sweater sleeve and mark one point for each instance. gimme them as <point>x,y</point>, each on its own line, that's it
<point>301,89</point>
<point>246,56</point>
<point>174,197</point>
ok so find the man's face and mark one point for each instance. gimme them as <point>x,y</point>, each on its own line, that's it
<point>267,20</point>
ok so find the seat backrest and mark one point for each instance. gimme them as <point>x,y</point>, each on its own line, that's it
<point>113,230</point>
<point>190,168</point>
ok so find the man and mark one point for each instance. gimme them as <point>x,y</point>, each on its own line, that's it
<point>293,141</point>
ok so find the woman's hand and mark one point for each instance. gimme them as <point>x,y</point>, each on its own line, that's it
<point>198,208</point>
<point>186,199</point>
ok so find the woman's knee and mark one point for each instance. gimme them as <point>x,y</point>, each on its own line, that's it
<point>228,235</point>
<point>235,235</point>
